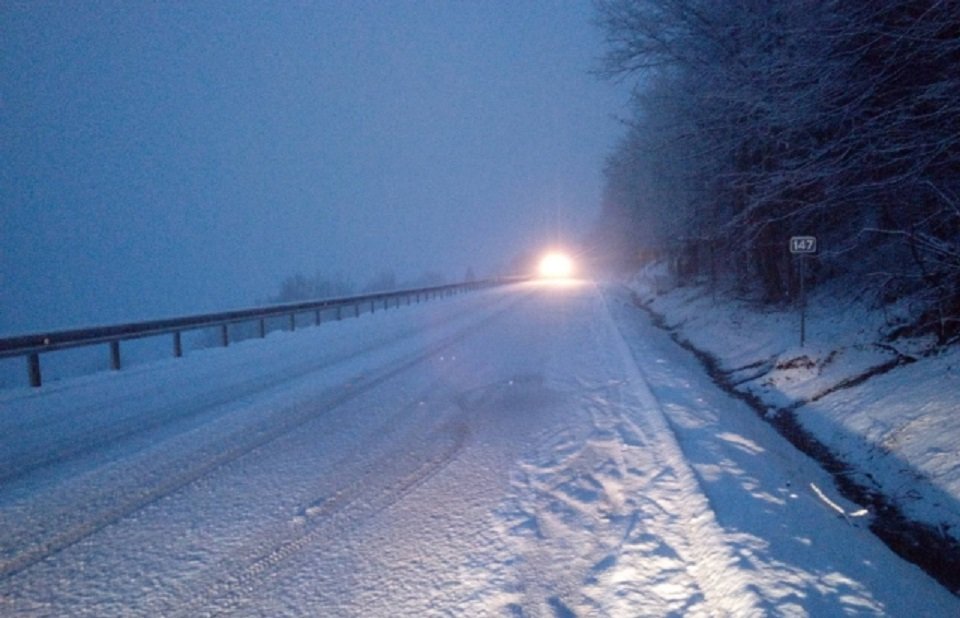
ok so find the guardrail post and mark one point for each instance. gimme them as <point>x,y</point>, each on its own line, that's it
<point>115,355</point>
<point>293,322</point>
<point>356,310</point>
<point>33,369</point>
<point>263,328</point>
<point>317,316</point>
<point>224,335</point>
<point>339,312</point>
<point>177,344</point>
<point>373,306</point>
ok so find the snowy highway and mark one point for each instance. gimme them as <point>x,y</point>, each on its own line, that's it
<point>534,450</point>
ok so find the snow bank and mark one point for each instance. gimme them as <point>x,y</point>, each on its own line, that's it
<point>887,409</point>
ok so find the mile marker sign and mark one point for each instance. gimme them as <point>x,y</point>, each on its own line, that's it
<point>803,244</point>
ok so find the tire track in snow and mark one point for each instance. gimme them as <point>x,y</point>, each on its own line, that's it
<point>588,518</point>
<point>606,517</point>
<point>369,494</point>
<point>727,589</point>
<point>254,437</point>
<point>18,465</point>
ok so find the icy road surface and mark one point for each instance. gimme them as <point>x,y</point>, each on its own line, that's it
<point>536,450</point>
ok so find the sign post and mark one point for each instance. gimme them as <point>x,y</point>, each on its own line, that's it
<point>803,246</point>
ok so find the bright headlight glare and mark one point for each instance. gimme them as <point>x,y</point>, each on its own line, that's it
<point>556,265</point>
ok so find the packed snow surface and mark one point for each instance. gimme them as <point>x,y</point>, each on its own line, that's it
<point>534,450</point>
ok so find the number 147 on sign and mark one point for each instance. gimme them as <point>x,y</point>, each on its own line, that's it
<point>803,244</point>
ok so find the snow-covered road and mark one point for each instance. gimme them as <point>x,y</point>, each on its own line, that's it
<point>534,450</point>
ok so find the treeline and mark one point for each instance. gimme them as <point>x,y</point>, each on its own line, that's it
<point>757,120</point>
<point>302,287</point>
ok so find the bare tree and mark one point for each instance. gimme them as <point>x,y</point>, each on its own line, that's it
<point>758,119</point>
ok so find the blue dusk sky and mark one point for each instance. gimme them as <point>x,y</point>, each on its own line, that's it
<point>161,158</point>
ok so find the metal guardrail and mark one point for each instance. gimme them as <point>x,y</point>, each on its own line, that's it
<point>31,346</point>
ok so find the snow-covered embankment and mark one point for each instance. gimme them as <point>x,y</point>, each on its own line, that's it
<point>882,412</point>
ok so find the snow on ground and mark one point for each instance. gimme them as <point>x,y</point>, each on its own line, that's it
<point>535,450</point>
<point>899,429</point>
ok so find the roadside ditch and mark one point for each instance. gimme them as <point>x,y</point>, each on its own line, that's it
<point>923,544</point>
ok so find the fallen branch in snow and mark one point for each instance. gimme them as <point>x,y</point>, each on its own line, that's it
<point>836,507</point>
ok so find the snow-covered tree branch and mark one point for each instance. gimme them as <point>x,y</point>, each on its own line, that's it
<point>756,120</point>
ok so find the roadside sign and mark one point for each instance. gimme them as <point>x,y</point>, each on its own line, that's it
<point>803,244</point>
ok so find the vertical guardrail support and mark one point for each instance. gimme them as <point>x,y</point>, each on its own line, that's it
<point>293,322</point>
<point>33,370</point>
<point>263,328</point>
<point>224,335</point>
<point>317,317</point>
<point>115,355</point>
<point>356,310</point>
<point>177,344</point>
<point>339,312</point>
